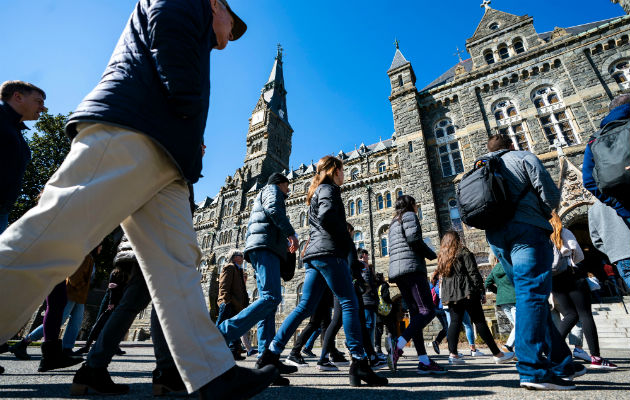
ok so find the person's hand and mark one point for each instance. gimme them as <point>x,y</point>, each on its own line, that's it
<point>293,244</point>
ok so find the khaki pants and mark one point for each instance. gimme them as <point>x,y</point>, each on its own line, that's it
<point>115,176</point>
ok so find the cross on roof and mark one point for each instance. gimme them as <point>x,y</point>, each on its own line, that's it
<point>280,50</point>
<point>459,53</point>
<point>486,4</point>
<point>396,42</point>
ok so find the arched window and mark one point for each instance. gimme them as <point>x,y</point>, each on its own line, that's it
<point>518,46</point>
<point>510,123</point>
<point>380,204</point>
<point>358,240</point>
<point>620,71</point>
<point>503,52</point>
<point>388,200</point>
<point>444,129</point>
<point>448,148</point>
<point>555,118</point>
<point>453,210</point>
<point>381,166</point>
<point>354,175</point>
<point>359,206</point>
<point>400,80</point>
<point>351,208</point>
<point>399,194</point>
<point>489,57</point>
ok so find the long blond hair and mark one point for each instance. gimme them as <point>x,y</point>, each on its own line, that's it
<point>556,235</point>
<point>450,246</point>
<point>326,168</point>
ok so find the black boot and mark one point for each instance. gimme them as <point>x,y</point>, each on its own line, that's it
<point>239,383</point>
<point>167,381</point>
<point>54,358</point>
<point>360,371</point>
<point>96,379</point>
<point>270,358</point>
<point>19,350</point>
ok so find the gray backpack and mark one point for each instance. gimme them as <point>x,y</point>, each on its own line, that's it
<point>611,153</point>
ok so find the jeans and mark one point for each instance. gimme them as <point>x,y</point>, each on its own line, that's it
<point>415,291</point>
<point>623,266</point>
<point>311,341</point>
<point>526,255</point>
<point>370,321</point>
<point>335,273</point>
<point>75,312</point>
<point>226,311</point>
<point>4,221</point>
<point>262,311</point>
<point>468,328</point>
<point>510,312</point>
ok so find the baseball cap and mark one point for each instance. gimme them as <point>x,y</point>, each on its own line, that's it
<point>239,27</point>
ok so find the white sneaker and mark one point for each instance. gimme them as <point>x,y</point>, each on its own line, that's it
<point>581,354</point>
<point>456,360</point>
<point>477,353</point>
<point>502,360</point>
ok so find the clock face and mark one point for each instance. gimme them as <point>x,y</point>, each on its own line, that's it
<point>257,117</point>
<point>281,113</point>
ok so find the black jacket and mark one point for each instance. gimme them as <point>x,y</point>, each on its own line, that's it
<point>466,281</point>
<point>157,81</point>
<point>327,224</point>
<point>14,156</point>
<point>407,250</point>
<point>370,297</point>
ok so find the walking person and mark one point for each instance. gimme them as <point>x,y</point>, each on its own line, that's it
<point>463,291</point>
<point>145,157</point>
<point>370,297</point>
<point>325,265</point>
<point>408,270</point>
<point>440,314</point>
<point>571,293</point>
<point>498,283</point>
<point>385,316</point>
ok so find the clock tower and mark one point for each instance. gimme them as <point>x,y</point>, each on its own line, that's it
<point>269,134</point>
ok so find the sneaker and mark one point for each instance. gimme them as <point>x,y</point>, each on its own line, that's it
<point>456,360</point>
<point>339,360</point>
<point>579,371</point>
<point>297,360</point>
<point>326,366</point>
<point>436,347</point>
<point>581,354</point>
<point>394,355</point>
<point>432,368</point>
<point>601,363</point>
<point>554,384</point>
<point>477,353</point>
<point>377,363</point>
<point>507,357</point>
<point>308,353</point>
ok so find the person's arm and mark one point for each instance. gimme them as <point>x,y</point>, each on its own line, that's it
<point>175,28</point>
<point>542,183</point>
<point>589,184</point>
<point>275,209</point>
<point>491,282</point>
<point>413,234</point>
<point>225,283</point>
<point>596,238</point>
<point>473,271</point>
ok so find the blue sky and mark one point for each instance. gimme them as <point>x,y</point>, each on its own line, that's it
<point>336,58</point>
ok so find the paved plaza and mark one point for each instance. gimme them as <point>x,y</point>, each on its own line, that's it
<point>479,378</point>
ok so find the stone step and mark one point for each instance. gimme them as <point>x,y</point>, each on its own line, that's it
<point>613,343</point>
<point>613,329</point>
<point>616,323</point>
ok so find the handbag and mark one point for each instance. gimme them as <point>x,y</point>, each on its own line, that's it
<point>562,263</point>
<point>287,267</point>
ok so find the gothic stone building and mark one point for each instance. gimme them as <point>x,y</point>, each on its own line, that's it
<point>547,91</point>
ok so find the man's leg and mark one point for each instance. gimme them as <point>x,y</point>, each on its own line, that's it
<point>164,240</point>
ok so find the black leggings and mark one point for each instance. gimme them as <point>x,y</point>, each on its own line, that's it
<point>321,317</point>
<point>475,311</point>
<point>441,316</point>
<point>572,298</point>
<point>385,322</point>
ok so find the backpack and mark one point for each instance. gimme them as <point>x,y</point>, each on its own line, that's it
<point>482,194</point>
<point>611,153</point>
<point>384,308</point>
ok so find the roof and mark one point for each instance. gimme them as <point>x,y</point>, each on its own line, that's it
<point>449,75</point>
<point>398,61</point>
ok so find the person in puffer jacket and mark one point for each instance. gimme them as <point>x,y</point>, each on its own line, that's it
<point>325,263</point>
<point>408,270</point>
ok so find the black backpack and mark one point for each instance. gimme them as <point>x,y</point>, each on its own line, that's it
<point>611,152</point>
<point>482,194</point>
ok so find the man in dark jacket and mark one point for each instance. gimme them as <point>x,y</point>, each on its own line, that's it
<point>233,296</point>
<point>137,142</point>
<point>19,102</point>
<point>269,237</point>
<point>619,110</point>
<point>370,297</point>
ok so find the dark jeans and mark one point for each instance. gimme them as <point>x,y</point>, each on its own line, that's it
<point>226,311</point>
<point>416,293</point>
<point>320,318</point>
<point>572,298</point>
<point>475,311</point>
<point>441,316</point>
<point>55,303</point>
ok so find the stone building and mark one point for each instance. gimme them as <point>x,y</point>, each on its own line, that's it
<point>548,91</point>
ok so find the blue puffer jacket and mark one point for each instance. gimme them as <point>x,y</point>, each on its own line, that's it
<point>157,81</point>
<point>268,226</point>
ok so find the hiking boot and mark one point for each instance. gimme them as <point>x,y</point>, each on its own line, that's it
<point>297,360</point>
<point>239,383</point>
<point>326,366</point>
<point>436,347</point>
<point>432,368</point>
<point>601,363</point>
<point>360,371</point>
<point>19,350</point>
<point>554,384</point>
<point>54,358</point>
<point>270,358</point>
<point>339,360</point>
<point>308,353</point>
<point>97,380</point>
<point>168,381</point>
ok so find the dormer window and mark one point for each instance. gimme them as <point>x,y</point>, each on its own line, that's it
<point>494,26</point>
<point>620,71</point>
<point>518,46</point>
<point>503,52</point>
<point>489,57</point>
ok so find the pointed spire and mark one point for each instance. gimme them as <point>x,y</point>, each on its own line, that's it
<point>399,60</point>
<point>273,92</point>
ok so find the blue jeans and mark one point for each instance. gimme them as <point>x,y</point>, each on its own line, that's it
<point>370,321</point>
<point>468,328</point>
<point>311,341</point>
<point>4,222</point>
<point>72,310</point>
<point>266,264</point>
<point>623,266</point>
<point>526,254</point>
<point>335,273</point>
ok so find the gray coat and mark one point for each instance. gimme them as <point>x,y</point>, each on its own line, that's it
<point>407,250</point>
<point>268,226</point>
<point>609,233</point>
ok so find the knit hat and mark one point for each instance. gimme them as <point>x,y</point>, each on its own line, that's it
<point>125,253</point>
<point>277,178</point>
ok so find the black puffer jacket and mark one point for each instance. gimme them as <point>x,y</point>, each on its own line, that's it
<point>407,250</point>
<point>327,220</point>
<point>370,297</point>
<point>268,226</point>
<point>465,282</point>
<point>157,81</point>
